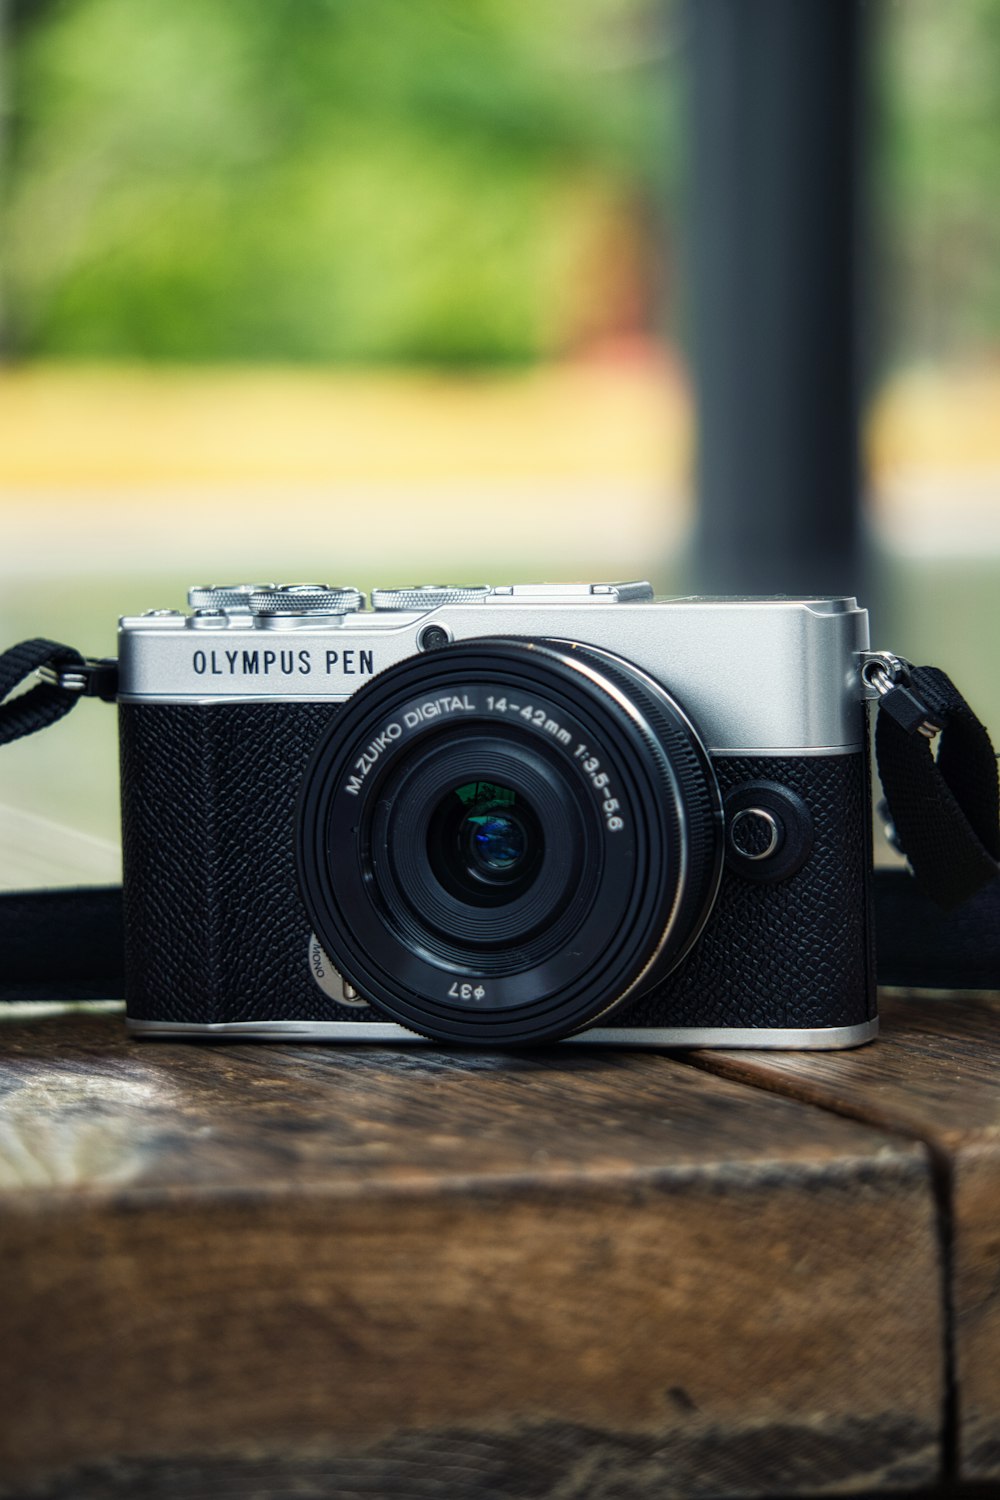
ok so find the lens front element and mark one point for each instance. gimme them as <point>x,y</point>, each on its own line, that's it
<point>485,842</point>
<point>499,841</point>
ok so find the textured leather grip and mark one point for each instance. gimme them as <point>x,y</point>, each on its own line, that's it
<point>216,930</point>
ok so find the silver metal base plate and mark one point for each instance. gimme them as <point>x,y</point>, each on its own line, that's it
<point>817,1038</point>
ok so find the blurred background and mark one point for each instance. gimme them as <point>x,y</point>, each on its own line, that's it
<point>401,290</point>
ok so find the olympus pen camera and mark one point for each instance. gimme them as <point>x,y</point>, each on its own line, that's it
<point>497,816</point>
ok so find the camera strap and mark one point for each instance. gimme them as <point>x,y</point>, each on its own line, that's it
<point>64,677</point>
<point>938,923</point>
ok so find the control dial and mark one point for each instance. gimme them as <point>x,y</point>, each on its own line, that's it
<point>234,598</point>
<point>429,595</point>
<point>305,599</point>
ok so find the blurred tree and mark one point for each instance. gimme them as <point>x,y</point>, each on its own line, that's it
<point>428,180</point>
<point>938,170</point>
<point>323,179</point>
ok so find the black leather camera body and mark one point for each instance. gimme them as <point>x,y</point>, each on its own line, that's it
<point>498,816</point>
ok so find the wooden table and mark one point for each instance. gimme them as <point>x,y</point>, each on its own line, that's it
<point>302,1271</point>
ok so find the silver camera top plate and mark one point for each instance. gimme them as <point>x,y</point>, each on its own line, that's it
<point>765,676</point>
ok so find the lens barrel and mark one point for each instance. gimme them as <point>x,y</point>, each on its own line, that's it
<point>499,841</point>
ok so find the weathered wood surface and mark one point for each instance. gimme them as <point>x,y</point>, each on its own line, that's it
<point>934,1076</point>
<point>293,1270</point>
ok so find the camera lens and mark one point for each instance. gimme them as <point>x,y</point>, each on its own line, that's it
<point>485,842</point>
<point>501,840</point>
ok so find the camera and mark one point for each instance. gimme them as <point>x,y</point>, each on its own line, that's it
<point>498,816</point>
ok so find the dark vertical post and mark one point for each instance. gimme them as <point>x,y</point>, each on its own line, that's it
<point>5,114</point>
<point>774,129</point>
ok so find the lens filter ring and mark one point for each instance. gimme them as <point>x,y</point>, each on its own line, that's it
<point>616,803</point>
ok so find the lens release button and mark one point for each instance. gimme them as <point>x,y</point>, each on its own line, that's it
<point>769,831</point>
<point>755,833</point>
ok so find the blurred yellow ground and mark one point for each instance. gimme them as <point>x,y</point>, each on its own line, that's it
<point>382,474</point>
<point>573,465</point>
<point>115,427</point>
<point>63,426</point>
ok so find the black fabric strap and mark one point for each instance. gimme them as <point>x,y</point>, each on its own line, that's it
<point>919,946</point>
<point>67,945</point>
<point>945,810</point>
<point>45,702</point>
<point>62,944</point>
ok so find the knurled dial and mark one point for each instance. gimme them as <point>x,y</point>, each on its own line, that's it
<point>306,599</point>
<point>234,598</point>
<point>429,595</point>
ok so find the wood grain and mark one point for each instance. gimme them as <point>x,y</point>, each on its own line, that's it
<point>564,1273</point>
<point>935,1076</point>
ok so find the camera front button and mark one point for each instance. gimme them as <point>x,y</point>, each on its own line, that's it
<point>755,833</point>
<point>769,831</point>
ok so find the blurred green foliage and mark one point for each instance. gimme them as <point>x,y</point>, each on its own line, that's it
<point>423,180</point>
<point>936,177</point>
<point>444,181</point>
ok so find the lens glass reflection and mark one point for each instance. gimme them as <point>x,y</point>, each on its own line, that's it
<point>485,842</point>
